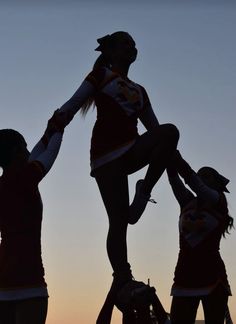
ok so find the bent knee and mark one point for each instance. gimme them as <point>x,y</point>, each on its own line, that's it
<point>171,132</point>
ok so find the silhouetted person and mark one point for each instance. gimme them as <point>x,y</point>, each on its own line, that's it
<point>117,149</point>
<point>200,273</point>
<point>23,290</point>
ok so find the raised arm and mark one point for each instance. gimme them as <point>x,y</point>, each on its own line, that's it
<point>181,193</point>
<point>49,155</point>
<point>82,94</point>
<point>202,191</point>
<point>46,150</point>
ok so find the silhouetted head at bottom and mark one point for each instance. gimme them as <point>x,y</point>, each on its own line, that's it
<point>13,147</point>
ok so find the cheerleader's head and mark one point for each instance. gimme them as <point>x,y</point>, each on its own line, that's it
<point>213,179</point>
<point>12,146</point>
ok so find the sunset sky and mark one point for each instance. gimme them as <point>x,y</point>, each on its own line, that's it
<point>186,62</point>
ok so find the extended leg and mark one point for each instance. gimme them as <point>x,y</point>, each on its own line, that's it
<point>113,186</point>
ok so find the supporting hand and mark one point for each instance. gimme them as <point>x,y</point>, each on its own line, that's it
<point>182,167</point>
<point>57,123</point>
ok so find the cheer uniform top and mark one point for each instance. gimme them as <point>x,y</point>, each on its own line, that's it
<point>21,268</point>
<point>199,267</point>
<point>120,102</point>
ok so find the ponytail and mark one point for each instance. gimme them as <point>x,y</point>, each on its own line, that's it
<point>229,224</point>
<point>100,62</point>
<point>229,221</point>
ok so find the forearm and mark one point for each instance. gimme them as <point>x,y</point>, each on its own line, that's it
<point>184,169</point>
<point>148,118</point>
<point>202,191</point>
<point>181,193</point>
<point>84,92</point>
<point>38,149</point>
<point>41,146</point>
<point>49,155</point>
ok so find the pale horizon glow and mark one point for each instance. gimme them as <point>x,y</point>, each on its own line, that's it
<point>186,62</point>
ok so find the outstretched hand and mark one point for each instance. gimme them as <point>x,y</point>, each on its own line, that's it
<point>58,122</point>
<point>179,165</point>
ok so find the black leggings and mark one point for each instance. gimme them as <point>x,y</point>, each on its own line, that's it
<point>154,148</point>
<point>29,311</point>
<point>184,309</point>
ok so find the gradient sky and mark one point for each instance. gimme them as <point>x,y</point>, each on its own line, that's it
<point>186,62</point>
